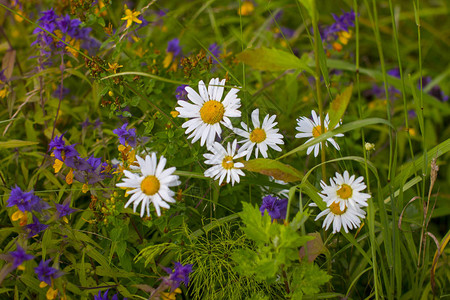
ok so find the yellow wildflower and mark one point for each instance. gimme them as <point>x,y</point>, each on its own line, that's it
<point>131,16</point>
<point>69,177</point>
<point>3,93</point>
<point>113,67</point>
<point>85,188</point>
<point>171,296</point>
<point>51,293</point>
<point>246,8</point>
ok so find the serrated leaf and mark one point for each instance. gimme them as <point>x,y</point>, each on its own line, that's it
<point>298,220</point>
<point>257,227</point>
<point>339,105</point>
<point>308,278</point>
<point>266,59</point>
<point>273,168</point>
<point>16,144</point>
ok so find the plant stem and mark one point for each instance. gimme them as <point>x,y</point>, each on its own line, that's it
<point>318,90</point>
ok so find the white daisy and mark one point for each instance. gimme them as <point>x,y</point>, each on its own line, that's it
<point>349,217</point>
<point>224,162</point>
<point>261,136</point>
<point>344,190</point>
<point>152,186</point>
<point>208,111</point>
<point>312,128</point>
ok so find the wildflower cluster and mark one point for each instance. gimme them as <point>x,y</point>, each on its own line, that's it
<point>89,170</point>
<point>337,34</point>
<point>159,150</point>
<point>62,33</point>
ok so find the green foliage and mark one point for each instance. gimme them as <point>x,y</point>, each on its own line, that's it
<point>266,59</point>
<point>273,168</point>
<point>271,51</point>
<point>275,251</point>
<point>306,280</point>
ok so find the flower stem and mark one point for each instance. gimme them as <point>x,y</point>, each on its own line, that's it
<point>317,47</point>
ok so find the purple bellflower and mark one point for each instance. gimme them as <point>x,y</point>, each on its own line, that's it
<point>26,201</point>
<point>35,228</point>
<point>46,273</point>
<point>435,90</point>
<point>64,210</point>
<point>173,46</point>
<point>105,296</point>
<point>126,136</point>
<point>180,92</point>
<point>180,274</point>
<point>275,207</point>
<point>19,256</point>
<point>59,148</point>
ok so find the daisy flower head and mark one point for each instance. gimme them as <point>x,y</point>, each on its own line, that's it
<point>261,136</point>
<point>224,162</point>
<point>312,129</point>
<point>208,112</point>
<point>151,186</point>
<point>348,218</point>
<point>345,191</point>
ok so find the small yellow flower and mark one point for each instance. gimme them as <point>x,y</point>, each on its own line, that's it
<point>246,8</point>
<point>344,36</point>
<point>75,44</point>
<point>168,59</point>
<point>21,268</point>
<point>174,113</point>
<point>17,215</point>
<point>3,93</point>
<point>113,67</point>
<point>51,293</point>
<point>57,165</point>
<point>337,46</point>
<point>171,296</point>
<point>131,16</point>
<point>69,177</point>
<point>42,284</point>
<point>85,188</point>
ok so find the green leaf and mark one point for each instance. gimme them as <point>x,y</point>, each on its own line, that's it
<point>307,279</point>
<point>339,105</point>
<point>266,59</point>
<point>121,248</point>
<point>299,219</point>
<point>16,144</point>
<point>273,168</point>
<point>257,227</point>
<point>309,5</point>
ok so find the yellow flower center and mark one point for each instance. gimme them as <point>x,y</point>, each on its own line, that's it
<point>212,112</point>
<point>258,135</point>
<point>227,162</point>
<point>335,209</point>
<point>345,191</point>
<point>150,185</point>
<point>317,131</point>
